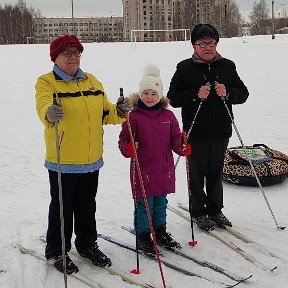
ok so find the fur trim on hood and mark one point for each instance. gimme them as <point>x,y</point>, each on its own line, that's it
<point>197,59</point>
<point>135,97</point>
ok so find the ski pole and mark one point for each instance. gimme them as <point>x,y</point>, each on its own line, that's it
<point>252,167</point>
<point>193,242</point>
<point>137,270</point>
<point>193,121</point>
<point>144,197</point>
<point>190,129</point>
<point>60,196</point>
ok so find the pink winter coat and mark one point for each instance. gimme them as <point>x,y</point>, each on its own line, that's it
<point>157,133</point>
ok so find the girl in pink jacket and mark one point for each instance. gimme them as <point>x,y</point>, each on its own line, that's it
<point>156,132</point>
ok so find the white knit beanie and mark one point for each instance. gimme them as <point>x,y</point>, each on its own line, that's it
<point>151,80</point>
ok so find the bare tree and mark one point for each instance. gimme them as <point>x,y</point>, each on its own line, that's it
<point>189,14</point>
<point>16,23</point>
<point>234,20</point>
<point>224,15</point>
<point>38,27</point>
<point>260,18</point>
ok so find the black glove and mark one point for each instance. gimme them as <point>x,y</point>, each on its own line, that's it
<point>55,113</point>
<point>123,105</point>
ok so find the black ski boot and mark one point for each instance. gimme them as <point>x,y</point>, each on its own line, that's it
<point>203,222</point>
<point>97,257</point>
<point>58,264</point>
<point>164,238</point>
<point>220,219</point>
<point>145,244</point>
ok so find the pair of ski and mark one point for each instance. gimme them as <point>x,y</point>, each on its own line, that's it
<point>232,276</point>
<point>111,270</point>
<point>229,244</point>
<point>41,257</point>
<point>242,237</point>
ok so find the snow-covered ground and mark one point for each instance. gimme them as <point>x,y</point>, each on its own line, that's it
<point>24,194</point>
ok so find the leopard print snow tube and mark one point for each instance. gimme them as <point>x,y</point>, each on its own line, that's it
<point>270,172</point>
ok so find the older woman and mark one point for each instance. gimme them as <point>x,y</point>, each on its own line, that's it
<point>77,100</point>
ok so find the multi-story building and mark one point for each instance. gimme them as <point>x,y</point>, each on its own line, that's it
<point>104,29</point>
<point>157,15</point>
<point>148,20</point>
<point>143,15</point>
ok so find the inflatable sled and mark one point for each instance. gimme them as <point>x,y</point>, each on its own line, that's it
<point>270,165</point>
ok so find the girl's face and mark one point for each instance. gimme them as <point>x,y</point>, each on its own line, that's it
<point>149,97</point>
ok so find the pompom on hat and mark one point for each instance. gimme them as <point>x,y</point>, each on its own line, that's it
<point>59,44</point>
<point>151,80</point>
<point>202,30</point>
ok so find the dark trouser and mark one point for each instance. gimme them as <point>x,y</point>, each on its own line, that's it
<point>79,192</point>
<point>206,163</point>
<point>157,209</point>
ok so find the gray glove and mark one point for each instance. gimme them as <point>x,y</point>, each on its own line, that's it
<point>55,113</point>
<point>123,105</point>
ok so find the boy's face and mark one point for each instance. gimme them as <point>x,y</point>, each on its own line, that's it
<point>149,97</point>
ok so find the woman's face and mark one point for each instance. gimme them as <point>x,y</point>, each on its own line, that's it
<point>69,60</point>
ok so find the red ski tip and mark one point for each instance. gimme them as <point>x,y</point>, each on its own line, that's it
<point>135,271</point>
<point>192,243</point>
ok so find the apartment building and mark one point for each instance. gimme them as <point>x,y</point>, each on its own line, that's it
<point>104,29</point>
<point>166,16</point>
<point>146,20</point>
<point>157,15</point>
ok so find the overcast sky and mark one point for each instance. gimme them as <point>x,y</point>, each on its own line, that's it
<point>96,8</point>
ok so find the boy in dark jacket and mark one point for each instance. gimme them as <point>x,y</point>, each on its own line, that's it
<point>157,133</point>
<point>207,79</point>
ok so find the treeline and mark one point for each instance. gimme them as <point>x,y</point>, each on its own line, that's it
<point>16,22</point>
<point>225,16</point>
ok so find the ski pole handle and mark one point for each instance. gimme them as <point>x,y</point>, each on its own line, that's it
<point>184,137</point>
<point>54,99</point>
<point>121,98</point>
<point>223,98</point>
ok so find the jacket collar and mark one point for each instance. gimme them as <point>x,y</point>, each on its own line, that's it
<point>197,59</point>
<point>61,75</point>
<point>164,101</point>
<point>144,107</point>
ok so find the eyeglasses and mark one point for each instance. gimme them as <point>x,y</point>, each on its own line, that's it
<point>205,44</point>
<point>69,54</point>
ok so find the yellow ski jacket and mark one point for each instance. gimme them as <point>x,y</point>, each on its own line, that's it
<point>86,110</point>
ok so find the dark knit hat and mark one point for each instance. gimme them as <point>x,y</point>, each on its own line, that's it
<point>59,44</point>
<point>202,30</point>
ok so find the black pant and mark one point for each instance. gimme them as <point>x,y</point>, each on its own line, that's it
<point>206,163</point>
<point>79,192</point>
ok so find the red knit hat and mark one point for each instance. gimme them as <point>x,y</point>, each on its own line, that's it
<point>62,42</point>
